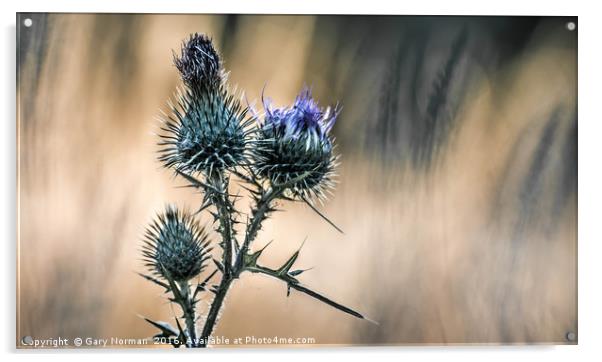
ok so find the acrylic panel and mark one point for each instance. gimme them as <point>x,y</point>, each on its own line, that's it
<point>295,181</point>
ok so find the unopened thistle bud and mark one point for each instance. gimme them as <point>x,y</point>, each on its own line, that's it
<point>294,147</point>
<point>208,127</point>
<point>199,63</point>
<point>175,246</point>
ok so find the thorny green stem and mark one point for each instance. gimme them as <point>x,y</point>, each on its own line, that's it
<point>224,209</point>
<point>189,314</point>
<point>224,206</point>
<point>260,213</point>
<point>216,305</point>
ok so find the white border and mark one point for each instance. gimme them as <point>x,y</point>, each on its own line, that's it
<point>590,183</point>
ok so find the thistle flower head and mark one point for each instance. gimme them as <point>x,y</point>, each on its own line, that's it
<point>205,132</point>
<point>175,246</point>
<point>294,146</point>
<point>208,128</point>
<point>199,63</point>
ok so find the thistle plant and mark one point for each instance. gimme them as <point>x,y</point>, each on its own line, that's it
<point>210,138</point>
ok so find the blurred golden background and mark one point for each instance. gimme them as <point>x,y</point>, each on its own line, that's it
<point>457,190</point>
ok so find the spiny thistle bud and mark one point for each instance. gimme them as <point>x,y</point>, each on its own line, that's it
<point>294,146</point>
<point>199,63</point>
<point>208,128</point>
<point>175,246</point>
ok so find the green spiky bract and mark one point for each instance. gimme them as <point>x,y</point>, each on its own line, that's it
<point>206,132</point>
<point>307,171</point>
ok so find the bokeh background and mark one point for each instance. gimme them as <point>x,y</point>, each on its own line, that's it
<point>457,189</point>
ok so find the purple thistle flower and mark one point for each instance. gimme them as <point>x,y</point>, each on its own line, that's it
<point>294,143</point>
<point>304,118</point>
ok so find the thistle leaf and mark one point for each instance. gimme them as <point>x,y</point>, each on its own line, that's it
<point>297,272</point>
<point>156,281</point>
<point>202,286</point>
<point>181,336</point>
<point>219,265</point>
<point>292,283</point>
<point>198,184</point>
<point>166,329</point>
<point>326,300</point>
<point>251,259</point>
<point>320,214</point>
<point>289,263</point>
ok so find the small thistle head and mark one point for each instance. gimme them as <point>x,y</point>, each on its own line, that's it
<point>199,63</point>
<point>294,146</point>
<point>175,246</point>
